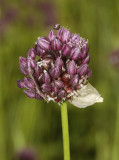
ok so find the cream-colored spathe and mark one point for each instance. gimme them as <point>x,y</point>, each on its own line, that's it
<point>87,96</point>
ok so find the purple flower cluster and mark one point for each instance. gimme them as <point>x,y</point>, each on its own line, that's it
<point>57,66</point>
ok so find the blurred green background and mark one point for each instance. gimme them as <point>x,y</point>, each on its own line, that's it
<point>28,123</point>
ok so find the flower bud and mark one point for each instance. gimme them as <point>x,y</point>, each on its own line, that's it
<point>65,35</point>
<point>59,33</point>
<point>43,43</point>
<point>39,51</point>
<point>56,44</point>
<point>23,65</point>
<point>66,50</point>
<point>59,62</point>
<point>74,80</point>
<point>59,83</point>
<point>71,67</point>
<point>75,53</point>
<point>20,83</point>
<point>83,51</point>
<point>29,83</point>
<point>82,69</point>
<point>38,71</point>
<point>31,65</point>
<point>55,72</point>
<point>30,93</point>
<point>86,60</point>
<point>46,87</point>
<point>31,53</point>
<point>51,35</point>
<point>75,38</point>
<point>46,78</point>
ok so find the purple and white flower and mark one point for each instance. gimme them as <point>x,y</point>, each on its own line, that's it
<point>60,71</point>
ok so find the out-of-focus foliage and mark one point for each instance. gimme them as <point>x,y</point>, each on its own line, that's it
<point>27,123</point>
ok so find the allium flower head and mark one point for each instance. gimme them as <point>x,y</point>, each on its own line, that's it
<point>57,66</point>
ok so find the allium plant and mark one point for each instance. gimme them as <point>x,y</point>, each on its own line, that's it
<point>58,70</point>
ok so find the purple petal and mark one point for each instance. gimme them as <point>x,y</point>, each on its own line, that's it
<point>51,35</point>
<point>32,53</point>
<point>66,35</point>
<point>30,93</point>
<point>20,83</point>
<point>43,43</point>
<point>59,83</point>
<point>83,52</point>
<point>74,80</point>
<point>59,62</point>
<point>39,51</point>
<point>29,83</point>
<point>65,50</point>
<point>82,69</point>
<point>55,72</point>
<point>38,71</point>
<point>71,67</point>
<point>56,44</point>
<point>59,33</point>
<point>75,38</point>
<point>87,59</point>
<point>23,65</point>
<point>75,53</point>
<point>31,65</point>
<point>46,87</point>
<point>46,78</point>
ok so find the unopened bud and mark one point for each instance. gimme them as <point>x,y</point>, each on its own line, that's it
<point>71,67</point>
<point>30,93</point>
<point>32,53</point>
<point>43,43</point>
<point>23,65</point>
<point>65,35</point>
<point>55,72</point>
<point>46,87</point>
<point>74,80</point>
<point>87,59</point>
<point>65,50</point>
<point>82,69</point>
<point>29,83</point>
<point>59,83</point>
<point>20,83</point>
<point>75,53</point>
<point>59,62</point>
<point>51,35</point>
<point>46,78</point>
<point>56,44</point>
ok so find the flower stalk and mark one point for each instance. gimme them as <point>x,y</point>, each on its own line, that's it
<point>65,131</point>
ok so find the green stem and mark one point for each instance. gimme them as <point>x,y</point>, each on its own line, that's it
<point>65,131</point>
